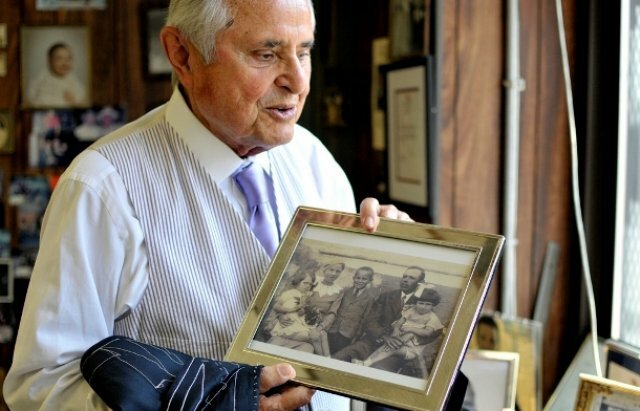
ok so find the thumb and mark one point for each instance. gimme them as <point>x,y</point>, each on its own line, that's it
<point>275,375</point>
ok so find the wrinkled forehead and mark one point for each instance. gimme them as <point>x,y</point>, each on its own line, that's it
<point>281,8</point>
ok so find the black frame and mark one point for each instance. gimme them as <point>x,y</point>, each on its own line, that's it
<point>430,171</point>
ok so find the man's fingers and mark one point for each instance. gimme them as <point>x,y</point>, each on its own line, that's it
<point>290,398</point>
<point>283,397</point>
<point>371,210</point>
<point>275,375</point>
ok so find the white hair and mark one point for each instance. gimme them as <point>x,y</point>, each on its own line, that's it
<point>201,20</point>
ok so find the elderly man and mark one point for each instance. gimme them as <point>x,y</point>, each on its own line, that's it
<point>152,235</point>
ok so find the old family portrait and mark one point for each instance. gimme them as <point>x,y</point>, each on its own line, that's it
<point>378,309</point>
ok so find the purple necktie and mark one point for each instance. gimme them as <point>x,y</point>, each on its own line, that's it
<point>256,186</point>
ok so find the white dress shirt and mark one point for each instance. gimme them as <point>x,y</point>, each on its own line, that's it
<point>90,226</point>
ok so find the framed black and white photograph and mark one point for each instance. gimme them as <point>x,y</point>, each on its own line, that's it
<point>410,134</point>
<point>6,280</point>
<point>155,62</point>
<point>409,28</point>
<point>622,362</point>
<point>55,66</point>
<point>493,377</point>
<point>7,135</point>
<point>604,394</point>
<point>335,295</point>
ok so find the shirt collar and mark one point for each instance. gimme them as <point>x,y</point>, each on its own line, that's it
<point>216,157</point>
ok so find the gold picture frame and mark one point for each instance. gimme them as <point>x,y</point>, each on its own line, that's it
<point>459,265</point>
<point>521,335</point>
<point>493,378</point>
<point>603,394</point>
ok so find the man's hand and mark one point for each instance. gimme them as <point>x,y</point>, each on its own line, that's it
<point>275,395</point>
<point>371,210</point>
<point>392,341</point>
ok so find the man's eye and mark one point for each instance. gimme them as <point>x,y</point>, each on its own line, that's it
<point>266,56</point>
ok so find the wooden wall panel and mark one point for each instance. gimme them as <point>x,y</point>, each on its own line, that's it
<point>471,149</point>
<point>471,154</point>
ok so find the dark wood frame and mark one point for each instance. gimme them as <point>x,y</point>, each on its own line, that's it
<point>149,32</point>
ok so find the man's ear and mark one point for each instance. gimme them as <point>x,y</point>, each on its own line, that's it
<point>176,48</point>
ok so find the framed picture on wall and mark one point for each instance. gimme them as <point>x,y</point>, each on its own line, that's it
<point>155,63</point>
<point>409,28</point>
<point>7,135</point>
<point>456,269</point>
<point>55,66</point>
<point>410,134</point>
<point>6,280</point>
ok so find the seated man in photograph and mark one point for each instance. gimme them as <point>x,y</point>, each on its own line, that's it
<point>378,328</point>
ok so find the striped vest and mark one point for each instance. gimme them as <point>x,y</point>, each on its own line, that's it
<point>205,264</point>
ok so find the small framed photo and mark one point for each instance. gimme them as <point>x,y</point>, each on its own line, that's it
<point>7,135</point>
<point>493,377</point>
<point>623,362</point>
<point>410,134</point>
<point>604,394</point>
<point>155,62</point>
<point>55,66</point>
<point>494,331</point>
<point>58,136</point>
<point>409,28</point>
<point>6,280</point>
<point>335,297</point>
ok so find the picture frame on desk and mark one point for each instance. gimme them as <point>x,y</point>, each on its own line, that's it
<point>495,331</point>
<point>604,394</point>
<point>410,109</point>
<point>493,378</point>
<point>458,264</point>
<point>622,362</point>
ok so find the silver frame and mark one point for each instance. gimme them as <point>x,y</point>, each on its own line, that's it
<point>481,253</point>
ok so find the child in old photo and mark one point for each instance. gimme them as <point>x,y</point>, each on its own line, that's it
<point>414,328</point>
<point>57,86</point>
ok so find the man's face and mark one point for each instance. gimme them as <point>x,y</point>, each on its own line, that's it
<point>410,280</point>
<point>253,92</point>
